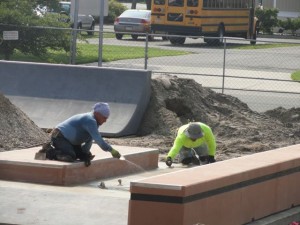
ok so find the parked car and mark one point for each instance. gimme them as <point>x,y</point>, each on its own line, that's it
<point>134,22</point>
<point>86,22</point>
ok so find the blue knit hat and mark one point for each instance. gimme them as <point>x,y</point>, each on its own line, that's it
<point>102,108</point>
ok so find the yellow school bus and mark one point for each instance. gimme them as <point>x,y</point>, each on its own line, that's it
<point>208,18</point>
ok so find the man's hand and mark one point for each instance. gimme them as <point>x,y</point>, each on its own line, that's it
<point>169,161</point>
<point>211,159</point>
<point>115,153</point>
<point>88,158</point>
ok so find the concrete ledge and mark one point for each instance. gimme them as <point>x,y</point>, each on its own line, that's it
<point>19,165</point>
<point>232,192</point>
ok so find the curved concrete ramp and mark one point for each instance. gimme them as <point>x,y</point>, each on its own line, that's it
<point>50,93</point>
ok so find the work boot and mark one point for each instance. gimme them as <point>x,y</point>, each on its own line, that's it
<point>46,147</point>
<point>203,160</point>
<point>49,150</point>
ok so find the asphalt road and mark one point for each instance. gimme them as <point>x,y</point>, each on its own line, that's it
<point>241,67</point>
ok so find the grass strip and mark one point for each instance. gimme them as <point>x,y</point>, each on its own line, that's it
<point>88,53</point>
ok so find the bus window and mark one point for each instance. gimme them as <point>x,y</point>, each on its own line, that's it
<point>159,2</point>
<point>192,3</point>
<point>213,3</point>
<point>175,2</point>
<point>245,3</point>
<point>220,4</point>
<point>178,17</point>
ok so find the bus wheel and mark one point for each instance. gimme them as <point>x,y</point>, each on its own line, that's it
<point>134,36</point>
<point>181,41</point>
<point>177,40</point>
<point>209,41</point>
<point>91,30</point>
<point>221,32</point>
<point>253,39</point>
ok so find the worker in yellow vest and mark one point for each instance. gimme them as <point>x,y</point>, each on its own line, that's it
<point>196,144</point>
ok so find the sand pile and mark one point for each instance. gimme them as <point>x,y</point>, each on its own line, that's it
<point>174,102</point>
<point>16,129</point>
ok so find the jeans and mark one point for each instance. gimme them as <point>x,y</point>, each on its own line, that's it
<point>201,150</point>
<point>64,147</point>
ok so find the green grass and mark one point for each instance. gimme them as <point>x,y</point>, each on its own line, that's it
<point>260,46</point>
<point>88,53</point>
<point>296,75</point>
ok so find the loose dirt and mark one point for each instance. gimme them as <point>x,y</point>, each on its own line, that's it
<point>239,130</point>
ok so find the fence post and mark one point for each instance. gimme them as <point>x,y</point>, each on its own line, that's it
<point>224,62</point>
<point>74,33</point>
<point>146,52</point>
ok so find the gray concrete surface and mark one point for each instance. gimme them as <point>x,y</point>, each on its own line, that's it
<point>34,204</point>
<point>50,93</point>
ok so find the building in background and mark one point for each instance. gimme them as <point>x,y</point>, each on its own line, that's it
<point>287,8</point>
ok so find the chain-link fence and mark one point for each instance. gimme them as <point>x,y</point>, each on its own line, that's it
<point>259,75</point>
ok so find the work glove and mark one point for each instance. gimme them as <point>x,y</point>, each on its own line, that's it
<point>88,158</point>
<point>169,161</point>
<point>211,159</point>
<point>115,153</point>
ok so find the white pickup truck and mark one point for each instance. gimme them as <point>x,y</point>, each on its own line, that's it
<point>85,22</point>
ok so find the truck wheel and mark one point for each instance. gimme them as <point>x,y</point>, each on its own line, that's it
<point>91,30</point>
<point>119,36</point>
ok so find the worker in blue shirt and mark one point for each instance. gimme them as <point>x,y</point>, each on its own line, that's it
<point>73,138</point>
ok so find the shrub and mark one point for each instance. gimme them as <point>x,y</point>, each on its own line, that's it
<point>268,19</point>
<point>114,10</point>
<point>290,24</point>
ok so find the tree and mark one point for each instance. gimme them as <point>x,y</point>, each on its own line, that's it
<point>19,15</point>
<point>268,19</point>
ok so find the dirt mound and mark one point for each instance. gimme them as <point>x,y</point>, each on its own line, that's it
<point>174,102</point>
<point>16,129</point>
<point>238,129</point>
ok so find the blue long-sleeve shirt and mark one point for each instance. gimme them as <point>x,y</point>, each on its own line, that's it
<point>82,129</point>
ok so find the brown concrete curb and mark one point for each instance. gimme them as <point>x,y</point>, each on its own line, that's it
<point>19,165</point>
<point>231,192</point>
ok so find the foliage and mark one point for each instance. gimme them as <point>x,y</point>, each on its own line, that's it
<point>268,19</point>
<point>290,24</point>
<point>115,9</point>
<point>296,75</point>
<point>20,16</point>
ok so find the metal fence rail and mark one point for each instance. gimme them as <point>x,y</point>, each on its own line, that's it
<point>260,77</point>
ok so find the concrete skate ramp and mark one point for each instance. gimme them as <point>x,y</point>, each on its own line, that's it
<point>50,93</point>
